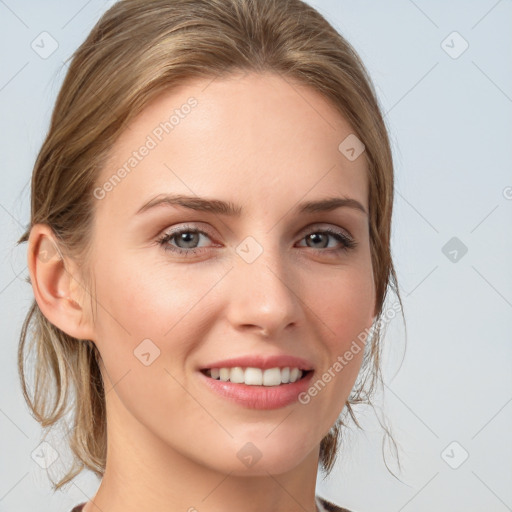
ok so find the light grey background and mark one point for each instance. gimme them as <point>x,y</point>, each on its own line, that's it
<point>450,118</point>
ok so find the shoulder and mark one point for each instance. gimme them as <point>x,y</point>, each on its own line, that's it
<point>327,506</point>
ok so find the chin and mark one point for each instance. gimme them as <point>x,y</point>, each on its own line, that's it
<point>259,456</point>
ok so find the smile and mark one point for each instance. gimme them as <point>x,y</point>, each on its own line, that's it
<point>252,392</point>
<point>256,376</point>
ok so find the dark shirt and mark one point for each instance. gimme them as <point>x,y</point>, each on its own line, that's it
<point>327,506</point>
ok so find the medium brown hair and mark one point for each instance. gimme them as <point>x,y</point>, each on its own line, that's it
<point>136,51</point>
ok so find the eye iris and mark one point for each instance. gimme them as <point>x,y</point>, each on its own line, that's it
<point>185,237</point>
<point>315,237</point>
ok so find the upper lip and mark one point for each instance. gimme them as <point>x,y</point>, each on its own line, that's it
<point>262,361</point>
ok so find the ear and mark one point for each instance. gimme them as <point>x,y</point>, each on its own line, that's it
<point>56,283</point>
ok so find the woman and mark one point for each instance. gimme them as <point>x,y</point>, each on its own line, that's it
<point>209,251</point>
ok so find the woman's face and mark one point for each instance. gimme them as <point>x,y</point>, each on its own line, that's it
<point>269,281</point>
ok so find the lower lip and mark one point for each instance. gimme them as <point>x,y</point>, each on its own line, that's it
<point>259,397</point>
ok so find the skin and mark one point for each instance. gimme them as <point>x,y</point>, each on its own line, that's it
<point>265,145</point>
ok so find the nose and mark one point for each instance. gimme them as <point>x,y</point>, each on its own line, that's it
<point>263,294</point>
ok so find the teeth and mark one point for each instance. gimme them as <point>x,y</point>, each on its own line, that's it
<point>256,376</point>
<point>252,376</point>
<point>224,374</point>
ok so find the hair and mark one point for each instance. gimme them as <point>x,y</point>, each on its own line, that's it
<point>138,50</point>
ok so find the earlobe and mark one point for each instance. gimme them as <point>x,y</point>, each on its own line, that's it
<point>55,283</point>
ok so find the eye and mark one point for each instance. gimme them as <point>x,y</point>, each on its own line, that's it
<point>321,237</point>
<point>188,237</point>
<point>185,235</point>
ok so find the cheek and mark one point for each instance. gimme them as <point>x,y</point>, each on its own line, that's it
<point>342,310</point>
<point>146,297</point>
<point>159,302</point>
<point>146,325</point>
<point>344,302</point>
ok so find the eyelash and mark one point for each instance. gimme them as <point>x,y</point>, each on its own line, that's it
<point>347,243</point>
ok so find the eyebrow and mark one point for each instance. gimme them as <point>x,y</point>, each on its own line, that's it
<point>220,207</point>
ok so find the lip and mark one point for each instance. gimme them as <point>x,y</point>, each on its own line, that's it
<point>258,397</point>
<point>263,362</point>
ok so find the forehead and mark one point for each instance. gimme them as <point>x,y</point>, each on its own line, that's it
<point>250,137</point>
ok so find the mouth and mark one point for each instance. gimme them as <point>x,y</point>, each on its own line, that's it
<point>251,376</point>
<point>258,388</point>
